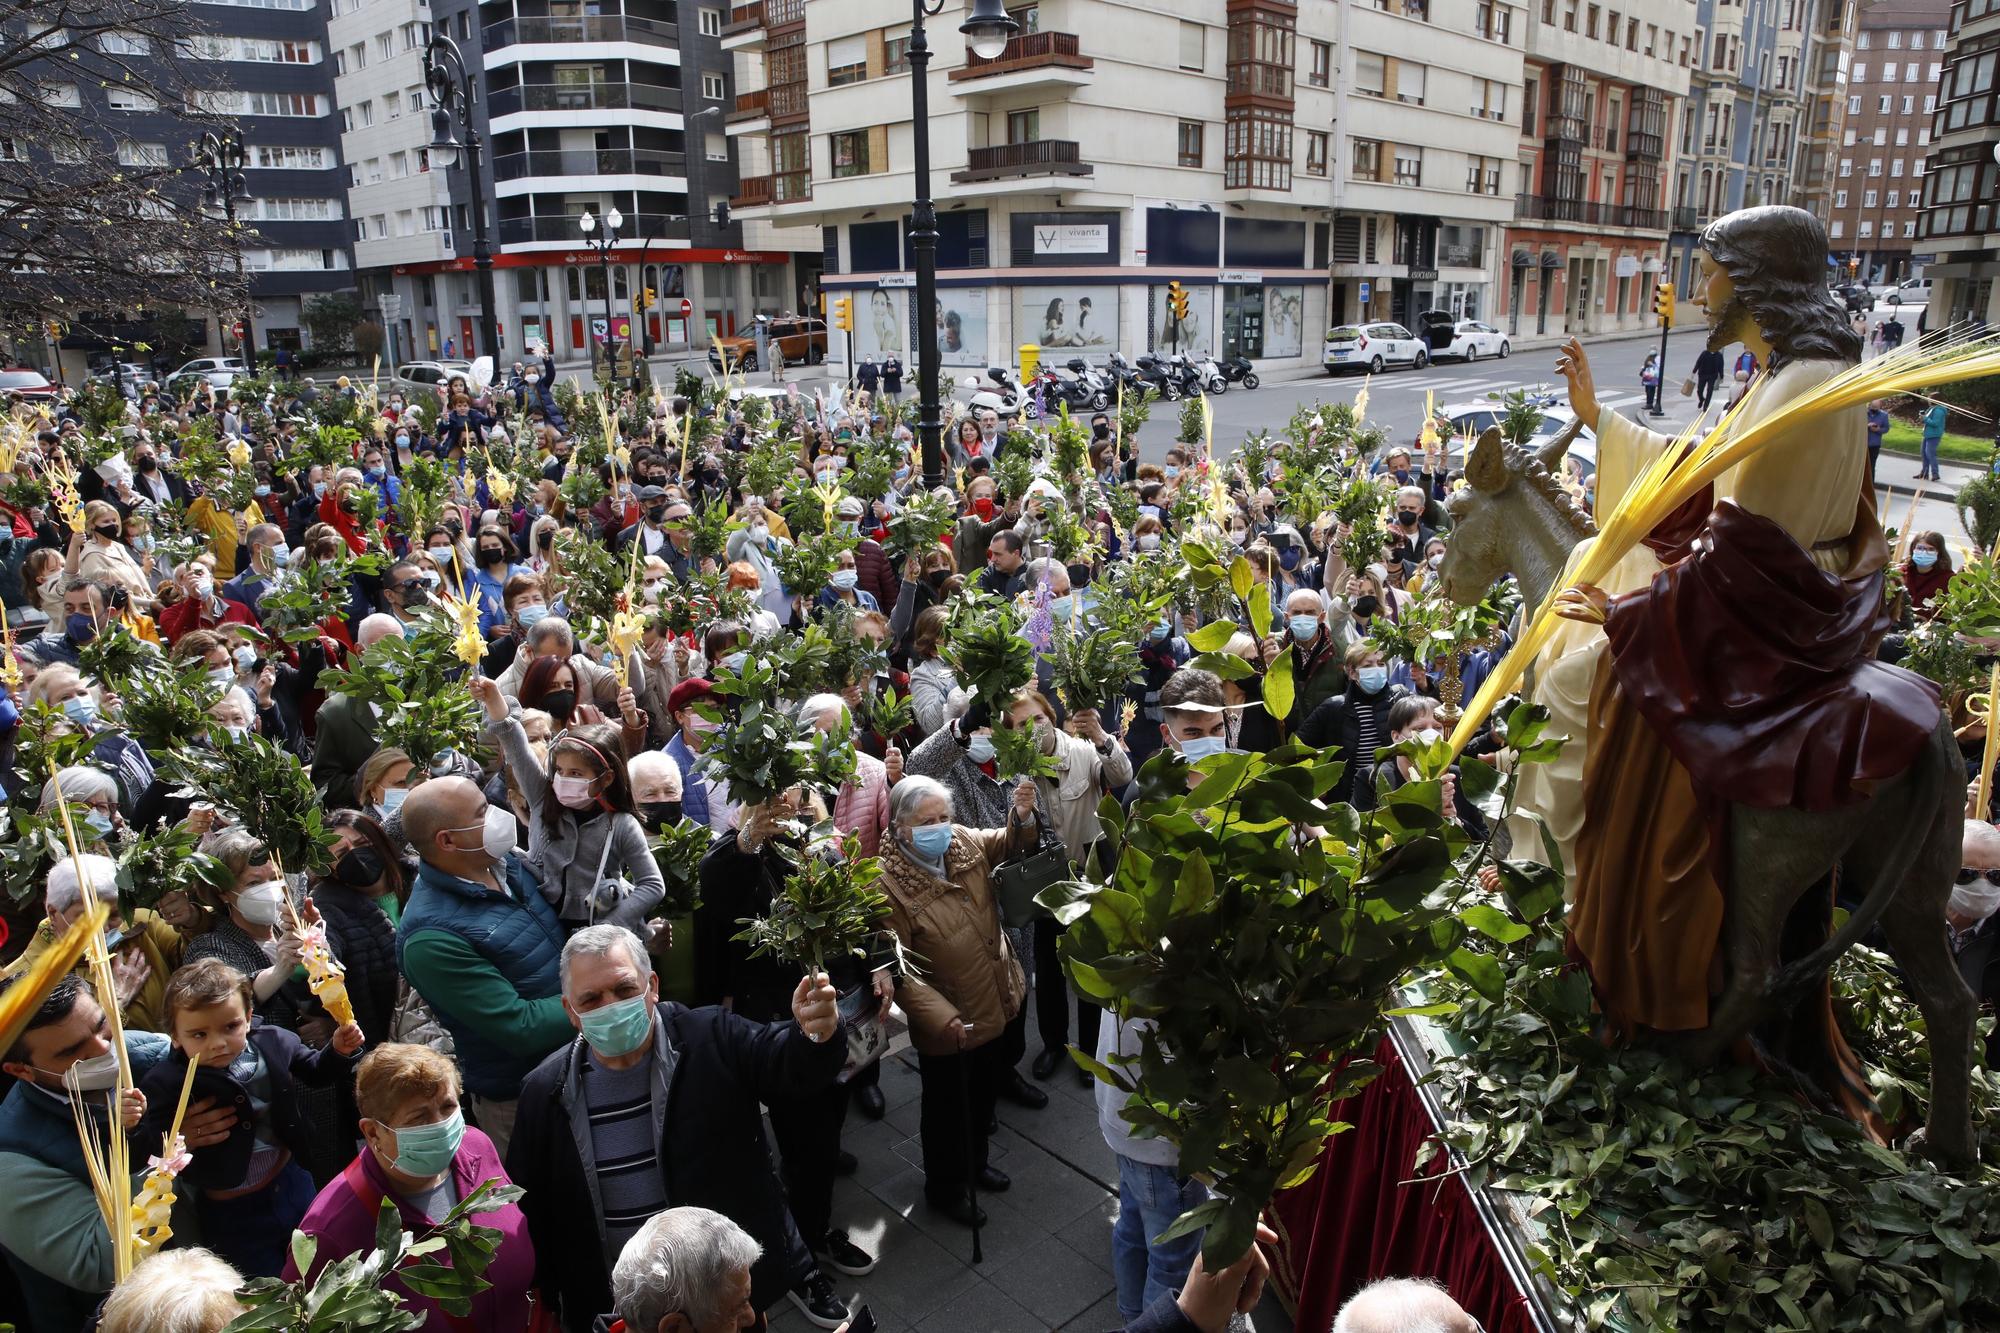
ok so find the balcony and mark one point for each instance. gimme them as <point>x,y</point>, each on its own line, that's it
<point>1685,218</point>
<point>751,114</point>
<point>745,29</point>
<point>1587,212</point>
<point>1034,59</point>
<point>788,102</point>
<point>1643,145</point>
<point>582,97</point>
<point>615,28</point>
<point>564,231</point>
<point>1043,157</point>
<point>590,162</point>
<point>787,187</point>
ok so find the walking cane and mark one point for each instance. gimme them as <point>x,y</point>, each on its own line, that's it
<point>971,1171</point>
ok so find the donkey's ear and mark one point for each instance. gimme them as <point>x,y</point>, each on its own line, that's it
<point>1557,449</point>
<point>1486,465</point>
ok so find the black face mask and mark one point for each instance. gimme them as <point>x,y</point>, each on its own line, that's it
<point>109,532</point>
<point>358,869</point>
<point>656,815</point>
<point>937,578</point>
<point>656,515</point>
<point>559,704</point>
<point>491,555</point>
<point>1367,605</point>
<point>1407,517</point>
<point>148,464</point>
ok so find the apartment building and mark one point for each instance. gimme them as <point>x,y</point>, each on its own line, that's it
<point>1899,49</point>
<point>1822,118</point>
<point>399,207</point>
<point>1602,88</point>
<point>1109,149</point>
<point>1960,223</point>
<point>584,107</point>
<point>1739,139</point>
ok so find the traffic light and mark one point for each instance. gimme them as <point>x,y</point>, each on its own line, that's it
<point>722,213</point>
<point>1177,300</point>
<point>843,313</point>
<point>646,298</point>
<point>1663,301</point>
<point>1853,265</point>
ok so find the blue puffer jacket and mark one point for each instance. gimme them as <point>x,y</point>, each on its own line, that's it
<point>488,966</point>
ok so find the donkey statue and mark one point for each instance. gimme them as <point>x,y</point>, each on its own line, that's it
<point>1898,850</point>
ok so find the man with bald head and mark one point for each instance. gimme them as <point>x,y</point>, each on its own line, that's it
<point>1403,1305</point>
<point>345,734</point>
<point>481,945</point>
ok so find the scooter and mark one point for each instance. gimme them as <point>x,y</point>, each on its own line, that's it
<point>1005,397</point>
<point>1237,370</point>
<point>1158,376</point>
<point>1098,382</point>
<point>1211,375</point>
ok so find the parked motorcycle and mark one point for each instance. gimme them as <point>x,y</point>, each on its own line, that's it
<point>1238,370</point>
<point>1158,376</point>
<point>1004,396</point>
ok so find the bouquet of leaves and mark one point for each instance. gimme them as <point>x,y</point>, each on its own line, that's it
<point>828,907</point>
<point>1069,445</point>
<point>923,521</point>
<point>1135,408</point>
<point>24,493</point>
<point>167,704</point>
<point>1017,751</point>
<point>768,464</point>
<point>806,566</point>
<point>1092,665</point>
<point>1360,507</point>
<point>593,579</point>
<point>1014,472</point>
<point>328,446</point>
<point>261,787</point>
<point>314,592</point>
<point>101,405</point>
<point>1070,540</point>
<point>426,492</point>
<point>678,850</point>
<point>986,649</point>
<point>852,659</point>
<point>156,863</point>
<point>763,750</point>
<point>873,469</point>
<point>116,654</point>
<point>708,529</point>
<point>416,681</point>
<point>352,1294</point>
<point>886,713</point>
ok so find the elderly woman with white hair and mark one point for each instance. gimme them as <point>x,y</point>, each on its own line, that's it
<point>63,688</point>
<point>145,950</point>
<point>686,1271</point>
<point>175,1291</point>
<point>965,1011</point>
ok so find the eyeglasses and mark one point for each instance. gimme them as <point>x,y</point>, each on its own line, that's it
<point>1967,874</point>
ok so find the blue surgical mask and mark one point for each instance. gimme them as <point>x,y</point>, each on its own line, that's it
<point>319,490</point>
<point>980,749</point>
<point>530,614</point>
<point>619,1028</point>
<point>1198,748</point>
<point>1922,559</point>
<point>932,840</point>
<point>1159,633</point>
<point>423,1151</point>
<point>1372,679</point>
<point>845,579</point>
<point>80,628</point>
<point>440,556</point>
<point>1059,607</point>
<point>1304,627</point>
<point>373,474</point>
<point>402,441</point>
<point>80,709</point>
<point>246,658</point>
<point>1172,470</point>
<point>393,798</point>
<point>733,663</point>
<point>260,490</point>
<point>100,823</point>
<point>281,556</point>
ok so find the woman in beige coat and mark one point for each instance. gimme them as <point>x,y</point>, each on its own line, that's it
<point>99,555</point>
<point>965,1000</point>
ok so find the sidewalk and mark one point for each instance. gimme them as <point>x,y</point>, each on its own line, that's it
<point>1046,1243</point>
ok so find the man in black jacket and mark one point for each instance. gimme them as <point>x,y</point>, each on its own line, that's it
<point>1355,724</point>
<point>664,1100</point>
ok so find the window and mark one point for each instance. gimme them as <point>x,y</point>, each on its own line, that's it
<point>392,106</point>
<point>1316,152</point>
<point>364,114</point>
<point>1365,159</point>
<point>709,21</point>
<point>1865,230</point>
<point>1409,165</point>
<point>1494,22</point>
<point>1895,199</point>
<point>1257,147</point>
<point>1024,126</point>
<point>340,63</point>
<point>1917,40</point>
<point>1902,138</point>
<point>1319,73</point>
<point>711,87</point>
<point>1874,166</point>
<point>1191,45</point>
<point>378,226</point>
<point>895,52</point>
<point>1909,229</point>
<point>1854,106</point>
<point>1909,104</point>
<point>1489,99</point>
<point>1529,89</point>
<point>371,171</point>
<point>1860,74</point>
<point>1868,198</point>
<point>1881,135</point>
<point>1840,199</point>
<point>1846,166</point>
<point>399,165</point>
<point>1896,169</point>
<point>406,222</point>
<point>357,55</point>
<point>124,99</point>
<point>385,45</point>
<point>1482,176</point>
<point>436,219</point>
<point>69,152</point>
<point>1847,140</point>
<point>1409,82</point>
<point>269,156</point>
<point>1861,40</point>
<point>1590,22</point>
<point>850,153</point>
<point>125,44</point>
<point>1190,150</point>
<point>1895,41</point>
<point>715,146</point>
<point>1370,74</point>
<point>141,154</point>
<point>1882,104</point>
<point>60,94</point>
<point>1833,229</point>
<point>846,60</point>
<point>415,35</point>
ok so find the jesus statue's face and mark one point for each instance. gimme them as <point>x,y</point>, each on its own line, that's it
<point>1715,293</point>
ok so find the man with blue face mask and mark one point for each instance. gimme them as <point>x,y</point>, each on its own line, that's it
<point>1352,726</point>
<point>1317,670</point>
<point>269,558</point>
<point>655,1105</point>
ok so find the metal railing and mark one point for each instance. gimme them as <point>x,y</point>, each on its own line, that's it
<point>582,97</point>
<point>590,162</point>
<point>640,227</point>
<point>610,28</point>
<point>1588,212</point>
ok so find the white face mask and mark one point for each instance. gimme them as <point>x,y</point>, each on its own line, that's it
<point>262,904</point>
<point>1430,736</point>
<point>95,1073</point>
<point>1977,900</point>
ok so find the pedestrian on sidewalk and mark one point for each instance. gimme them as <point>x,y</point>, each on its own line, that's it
<point>1892,334</point>
<point>1934,417</point>
<point>1878,426</point>
<point>1649,380</point>
<point>1707,374</point>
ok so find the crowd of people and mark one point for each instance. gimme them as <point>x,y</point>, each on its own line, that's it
<point>531,1001</point>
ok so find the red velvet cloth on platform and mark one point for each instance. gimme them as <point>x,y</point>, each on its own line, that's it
<point>1355,1220</point>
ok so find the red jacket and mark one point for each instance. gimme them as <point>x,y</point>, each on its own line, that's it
<point>189,614</point>
<point>875,573</point>
<point>341,522</point>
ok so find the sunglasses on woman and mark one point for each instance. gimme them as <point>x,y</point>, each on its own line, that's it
<point>1966,875</point>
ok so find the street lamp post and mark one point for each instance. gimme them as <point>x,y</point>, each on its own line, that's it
<point>986,32</point>
<point>451,94</point>
<point>603,244</point>
<point>220,155</point>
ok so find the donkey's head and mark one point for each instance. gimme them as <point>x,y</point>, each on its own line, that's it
<point>1512,517</point>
